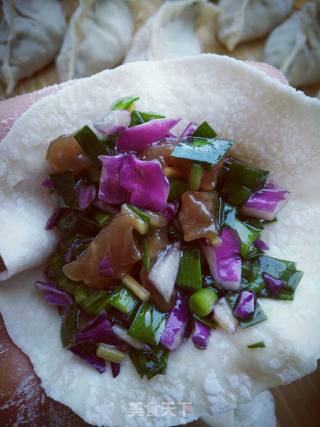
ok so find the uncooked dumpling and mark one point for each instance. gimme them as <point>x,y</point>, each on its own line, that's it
<point>244,20</point>
<point>98,37</point>
<point>179,28</point>
<point>294,47</point>
<point>31,34</point>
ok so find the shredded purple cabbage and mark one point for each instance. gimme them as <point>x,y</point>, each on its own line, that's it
<point>139,137</point>
<point>273,284</point>
<point>69,255</point>
<point>58,213</point>
<point>89,355</point>
<point>200,335</point>
<point>189,129</point>
<point>115,368</point>
<point>146,183</point>
<point>261,244</point>
<point>246,305</point>
<point>86,194</point>
<point>173,334</point>
<point>266,203</point>
<point>52,295</point>
<point>224,260</point>
<point>98,330</point>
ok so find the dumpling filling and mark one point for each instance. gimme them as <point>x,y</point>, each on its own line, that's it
<point>160,240</point>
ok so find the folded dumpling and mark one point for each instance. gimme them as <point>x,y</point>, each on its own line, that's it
<point>31,34</point>
<point>179,28</point>
<point>244,20</point>
<point>98,37</point>
<point>294,47</point>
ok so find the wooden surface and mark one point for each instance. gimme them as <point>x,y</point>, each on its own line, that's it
<point>298,404</point>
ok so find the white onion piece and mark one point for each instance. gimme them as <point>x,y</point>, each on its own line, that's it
<point>222,314</point>
<point>115,121</point>
<point>164,273</point>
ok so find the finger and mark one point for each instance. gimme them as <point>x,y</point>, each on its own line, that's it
<point>12,108</point>
<point>270,71</point>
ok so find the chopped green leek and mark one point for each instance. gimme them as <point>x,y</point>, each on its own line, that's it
<point>204,131</point>
<point>189,275</point>
<point>146,261</point>
<point>177,188</point>
<point>201,302</point>
<point>140,212</point>
<point>91,145</point>
<point>123,300</point>
<point>65,188</point>
<point>226,215</point>
<point>150,363</point>
<point>107,352</point>
<point>56,275</point>
<point>96,302</point>
<point>125,103</point>
<point>207,150</point>
<point>141,225</point>
<point>247,235</point>
<point>240,181</point>
<point>73,223</point>
<point>148,324</point>
<point>280,269</point>
<point>135,287</point>
<point>70,326</point>
<point>101,218</point>
<point>139,117</point>
<point>80,294</point>
<point>259,344</point>
<point>195,176</point>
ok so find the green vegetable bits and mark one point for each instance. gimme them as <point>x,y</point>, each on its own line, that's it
<point>201,301</point>
<point>148,324</point>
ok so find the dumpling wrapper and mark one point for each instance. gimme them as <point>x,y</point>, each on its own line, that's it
<point>160,36</point>
<point>260,412</point>
<point>98,37</point>
<point>294,46</point>
<point>245,20</point>
<point>277,128</point>
<point>31,34</point>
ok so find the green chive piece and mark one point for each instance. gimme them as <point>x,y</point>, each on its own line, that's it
<point>96,302</point>
<point>141,225</point>
<point>241,181</point>
<point>204,131</point>
<point>247,235</point>
<point>226,215</point>
<point>56,275</point>
<point>177,188</point>
<point>80,294</point>
<point>123,300</point>
<point>195,176</point>
<point>259,344</point>
<point>70,326</point>
<point>135,287</point>
<point>150,363</point>
<point>207,150</point>
<point>101,218</point>
<point>125,103</point>
<point>280,269</point>
<point>146,261</point>
<point>65,188</point>
<point>91,145</point>
<point>139,117</point>
<point>201,301</point>
<point>148,324</point>
<point>189,275</point>
<point>107,352</point>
